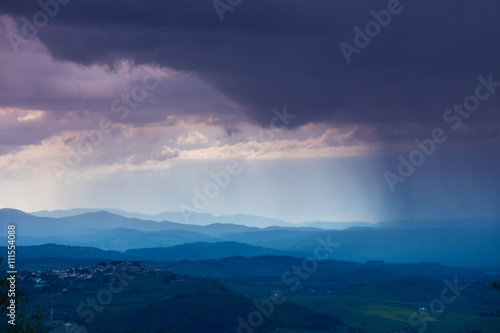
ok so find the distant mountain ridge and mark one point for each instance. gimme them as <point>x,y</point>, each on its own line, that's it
<point>472,242</point>
<point>188,251</point>
<point>204,219</point>
<point>177,217</point>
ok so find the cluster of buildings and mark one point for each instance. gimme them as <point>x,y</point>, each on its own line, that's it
<point>50,280</point>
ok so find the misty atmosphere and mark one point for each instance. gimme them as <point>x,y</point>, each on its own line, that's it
<point>249,166</point>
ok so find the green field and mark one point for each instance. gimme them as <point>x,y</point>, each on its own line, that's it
<point>364,300</point>
<point>386,306</point>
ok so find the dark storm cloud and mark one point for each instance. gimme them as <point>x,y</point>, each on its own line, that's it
<point>269,53</point>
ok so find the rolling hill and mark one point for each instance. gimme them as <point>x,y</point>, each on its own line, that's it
<point>463,242</point>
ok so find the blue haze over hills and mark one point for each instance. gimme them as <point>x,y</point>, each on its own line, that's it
<point>466,242</point>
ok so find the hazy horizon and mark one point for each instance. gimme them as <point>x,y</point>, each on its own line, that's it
<point>186,217</point>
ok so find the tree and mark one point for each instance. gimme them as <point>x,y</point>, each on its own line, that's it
<point>25,323</point>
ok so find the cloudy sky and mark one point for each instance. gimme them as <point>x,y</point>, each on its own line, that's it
<point>292,109</point>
